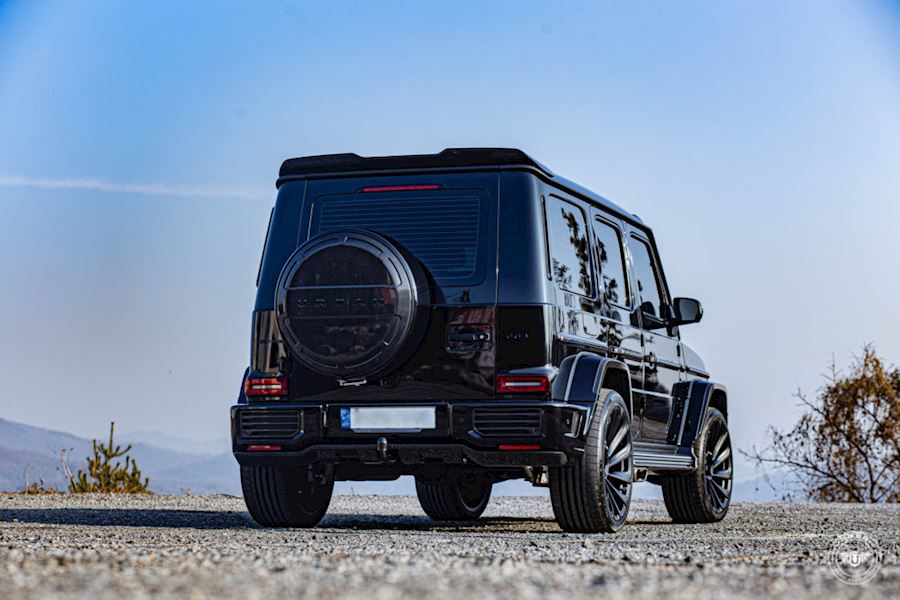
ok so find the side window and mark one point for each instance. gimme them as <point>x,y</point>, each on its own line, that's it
<point>608,249</point>
<point>651,299</point>
<point>570,259</point>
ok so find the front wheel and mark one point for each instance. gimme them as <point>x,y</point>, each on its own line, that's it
<point>284,496</point>
<point>703,496</point>
<point>457,496</point>
<point>594,494</point>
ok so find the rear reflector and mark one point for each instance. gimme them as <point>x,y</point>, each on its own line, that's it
<point>523,384</point>
<point>519,447</point>
<point>264,448</point>
<point>402,188</point>
<point>265,386</point>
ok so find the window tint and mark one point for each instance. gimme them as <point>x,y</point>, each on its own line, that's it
<point>608,247</point>
<point>570,263</point>
<point>645,273</point>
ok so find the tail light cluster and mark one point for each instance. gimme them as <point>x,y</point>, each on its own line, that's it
<point>523,384</point>
<point>266,386</point>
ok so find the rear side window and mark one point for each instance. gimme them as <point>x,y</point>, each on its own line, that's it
<point>611,263</point>
<point>647,281</point>
<point>443,230</point>
<point>570,259</point>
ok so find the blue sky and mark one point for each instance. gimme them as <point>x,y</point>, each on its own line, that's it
<point>139,144</point>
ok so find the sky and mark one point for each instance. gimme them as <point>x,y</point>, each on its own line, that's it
<point>139,145</point>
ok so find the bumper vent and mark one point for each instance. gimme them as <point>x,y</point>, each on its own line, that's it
<point>507,422</point>
<point>262,424</point>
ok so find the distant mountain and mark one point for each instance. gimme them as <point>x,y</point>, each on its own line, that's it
<point>29,454</point>
<point>21,467</point>
<point>179,444</point>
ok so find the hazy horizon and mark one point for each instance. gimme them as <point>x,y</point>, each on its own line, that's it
<point>140,146</point>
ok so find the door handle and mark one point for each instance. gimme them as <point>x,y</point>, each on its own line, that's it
<point>650,362</point>
<point>463,338</point>
<point>469,337</point>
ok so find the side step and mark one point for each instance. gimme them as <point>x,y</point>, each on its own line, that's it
<point>662,461</point>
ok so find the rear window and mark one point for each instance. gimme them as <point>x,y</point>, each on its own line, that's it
<point>445,230</point>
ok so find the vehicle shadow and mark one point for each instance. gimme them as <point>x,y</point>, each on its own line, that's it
<point>192,519</point>
<point>423,523</point>
<point>100,517</point>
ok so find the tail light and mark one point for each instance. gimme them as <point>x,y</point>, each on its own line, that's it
<point>523,384</point>
<point>265,386</point>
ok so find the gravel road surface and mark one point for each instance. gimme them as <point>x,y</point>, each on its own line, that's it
<point>384,547</point>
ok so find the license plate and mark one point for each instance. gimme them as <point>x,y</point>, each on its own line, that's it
<point>388,418</point>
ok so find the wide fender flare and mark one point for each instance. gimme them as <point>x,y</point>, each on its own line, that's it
<point>582,375</point>
<point>697,397</point>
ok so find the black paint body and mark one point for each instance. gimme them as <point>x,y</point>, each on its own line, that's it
<point>519,294</point>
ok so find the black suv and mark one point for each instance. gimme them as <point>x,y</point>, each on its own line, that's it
<point>470,317</point>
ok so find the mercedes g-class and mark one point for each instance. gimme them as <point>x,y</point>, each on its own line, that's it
<point>470,317</point>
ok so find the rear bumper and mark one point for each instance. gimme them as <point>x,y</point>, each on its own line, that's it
<point>466,433</point>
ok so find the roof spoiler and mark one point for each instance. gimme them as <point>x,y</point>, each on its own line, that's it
<point>449,158</point>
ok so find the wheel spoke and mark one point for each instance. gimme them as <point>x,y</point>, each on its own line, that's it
<point>721,457</point>
<point>619,456</point>
<point>712,492</point>
<point>617,493</point>
<point>719,443</point>
<point>623,476</point>
<point>725,474</point>
<point>611,496</point>
<point>617,439</point>
<point>720,489</point>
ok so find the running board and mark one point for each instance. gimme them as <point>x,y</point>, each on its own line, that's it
<point>660,461</point>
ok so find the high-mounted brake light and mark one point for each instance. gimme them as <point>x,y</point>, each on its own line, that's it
<point>402,188</point>
<point>523,384</point>
<point>265,386</point>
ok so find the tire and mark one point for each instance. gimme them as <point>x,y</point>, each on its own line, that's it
<point>594,494</point>
<point>704,495</point>
<point>284,497</point>
<point>458,496</point>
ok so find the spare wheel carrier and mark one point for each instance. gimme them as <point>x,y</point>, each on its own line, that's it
<point>352,304</point>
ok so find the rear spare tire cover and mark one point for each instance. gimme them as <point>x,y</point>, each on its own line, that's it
<point>350,303</point>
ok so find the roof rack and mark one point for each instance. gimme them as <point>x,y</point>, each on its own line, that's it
<point>451,157</point>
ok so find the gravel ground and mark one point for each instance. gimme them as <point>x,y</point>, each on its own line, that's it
<point>384,547</point>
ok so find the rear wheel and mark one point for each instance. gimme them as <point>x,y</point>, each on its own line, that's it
<point>703,496</point>
<point>458,496</point>
<point>284,496</point>
<point>594,494</point>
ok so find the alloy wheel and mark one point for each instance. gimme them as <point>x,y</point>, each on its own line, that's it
<point>617,469</point>
<point>718,466</point>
